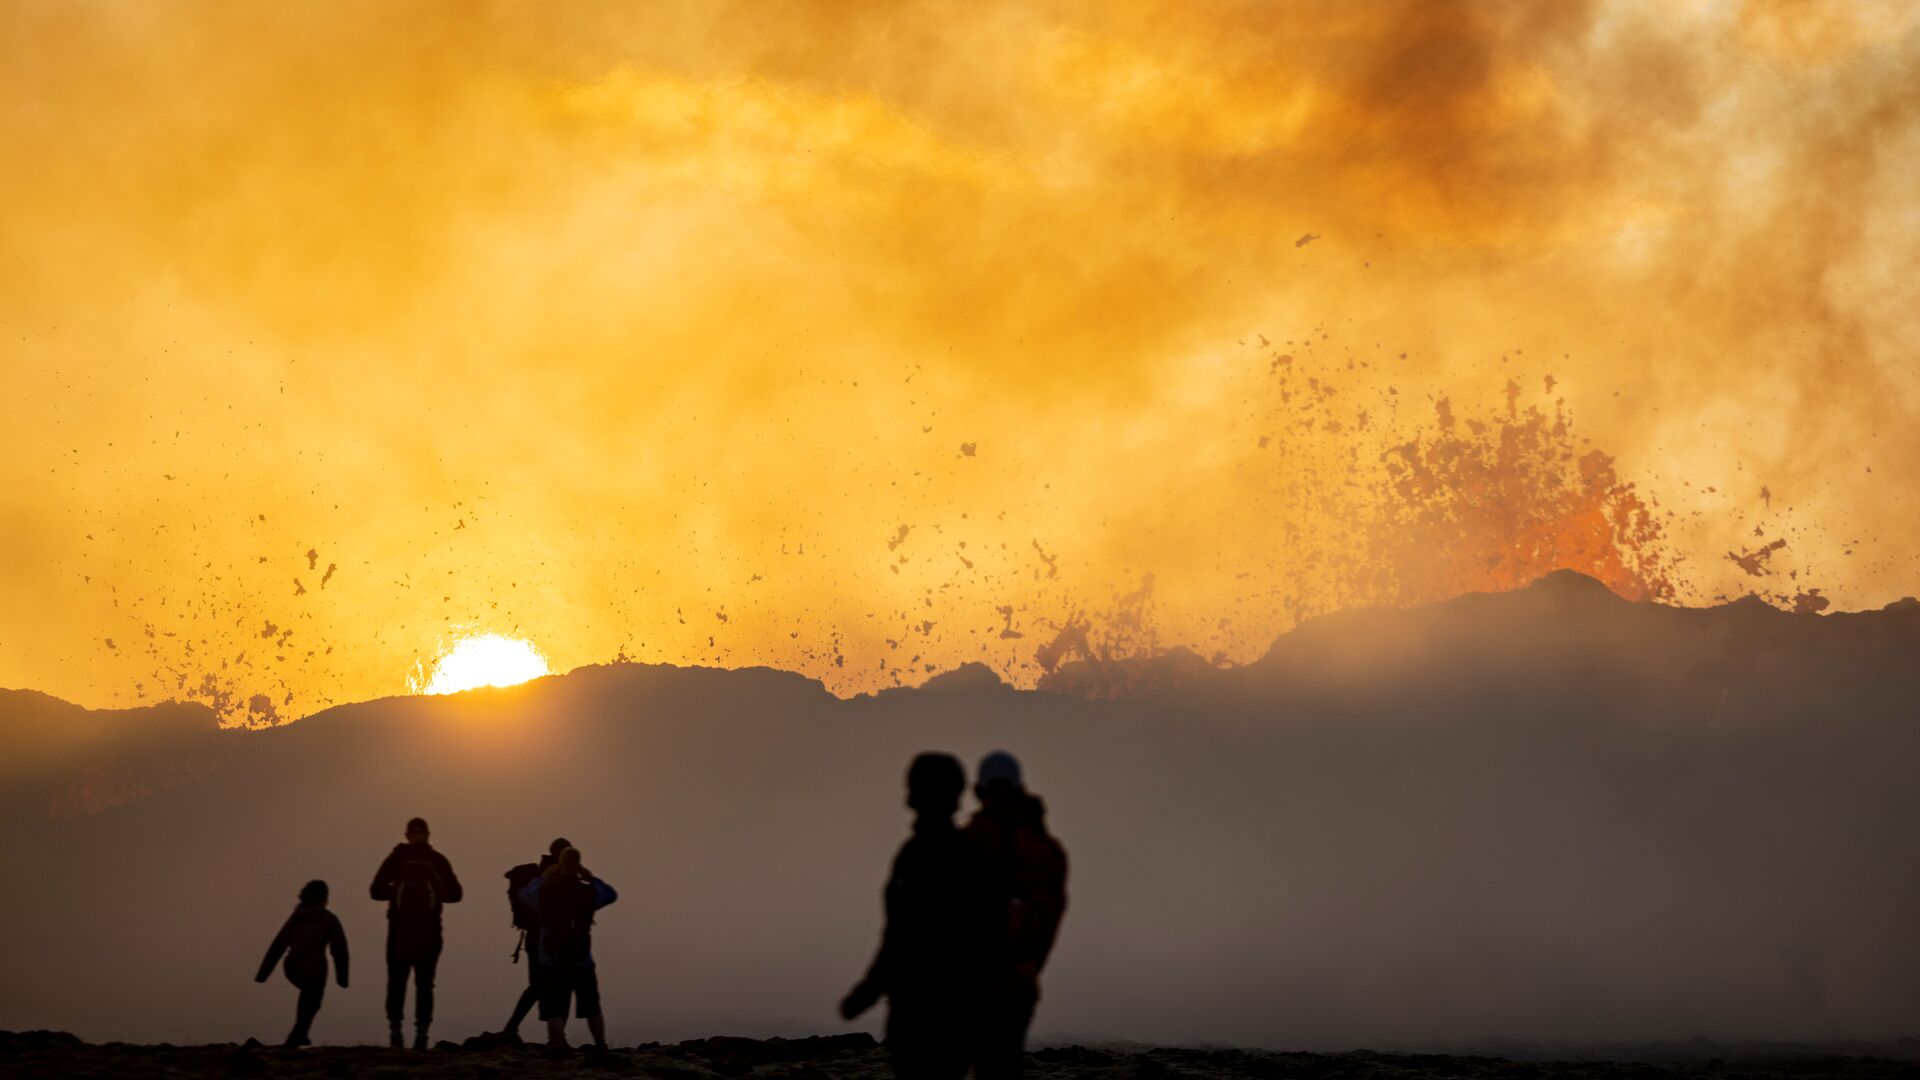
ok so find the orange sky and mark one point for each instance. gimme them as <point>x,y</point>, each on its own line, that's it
<point>858,341</point>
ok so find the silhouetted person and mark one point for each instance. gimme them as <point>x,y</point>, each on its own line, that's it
<point>415,881</point>
<point>942,936</point>
<point>518,879</point>
<point>564,898</point>
<point>1028,871</point>
<point>308,935</point>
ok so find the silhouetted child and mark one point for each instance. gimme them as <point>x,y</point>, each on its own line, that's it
<point>310,932</point>
<point>944,937</point>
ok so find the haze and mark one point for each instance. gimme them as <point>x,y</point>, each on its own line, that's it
<point>1543,815</point>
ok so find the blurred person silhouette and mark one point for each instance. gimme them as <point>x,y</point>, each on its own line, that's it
<point>415,881</point>
<point>942,937</point>
<point>306,938</point>
<point>1027,869</point>
<point>563,899</point>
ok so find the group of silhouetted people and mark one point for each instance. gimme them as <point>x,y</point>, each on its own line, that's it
<point>971,915</point>
<point>553,906</point>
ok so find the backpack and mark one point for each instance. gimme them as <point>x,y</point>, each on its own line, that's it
<point>566,920</point>
<point>415,892</point>
<point>518,878</point>
<point>1029,868</point>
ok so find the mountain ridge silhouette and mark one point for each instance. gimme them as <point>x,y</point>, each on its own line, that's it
<point>1571,590</point>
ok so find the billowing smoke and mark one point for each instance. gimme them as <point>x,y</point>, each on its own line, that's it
<point>868,346</point>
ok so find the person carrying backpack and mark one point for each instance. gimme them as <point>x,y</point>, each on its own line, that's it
<point>525,921</point>
<point>415,881</point>
<point>1028,871</point>
<point>563,899</point>
<point>309,934</point>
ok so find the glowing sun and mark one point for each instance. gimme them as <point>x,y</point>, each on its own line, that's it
<point>482,660</point>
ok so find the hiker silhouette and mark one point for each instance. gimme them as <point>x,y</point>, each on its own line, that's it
<point>1027,872</point>
<point>943,938</point>
<point>306,938</point>
<point>415,881</point>
<point>563,899</point>
<point>527,923</point>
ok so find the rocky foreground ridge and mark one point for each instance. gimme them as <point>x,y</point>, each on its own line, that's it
<point>37,1054</point>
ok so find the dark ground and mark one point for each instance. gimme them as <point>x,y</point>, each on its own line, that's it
<point>54,1054</point>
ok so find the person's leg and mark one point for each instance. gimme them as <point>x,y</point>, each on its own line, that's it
<point>914,1059</point>
<point>898,1038</point>
<point>426,964</point>
<point>308,1007</point>
<point>555,992</point>
<point>313,1009</point>
<point>1001,1053</point>
<point>924,1043</point>
<point>1019,1020</point>
<point>528,997</point>
<point>954,1049</point>
<point>397,966</point>
<point>586,993</point>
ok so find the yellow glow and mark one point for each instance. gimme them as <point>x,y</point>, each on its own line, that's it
<point>483,660</point>
<point>868,350</point>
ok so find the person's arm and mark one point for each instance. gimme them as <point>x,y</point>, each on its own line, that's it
<point>274,951</point>
<point>603,894</point>
<point>382,888</point>
<point>879,977</point>
<point>450,892</point>
<point>337,942</point>
<point>1044,891</point>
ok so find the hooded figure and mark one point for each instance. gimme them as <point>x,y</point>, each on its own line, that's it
<point>306,938</point>
<point>1028,871</point>
<point>415,881</point>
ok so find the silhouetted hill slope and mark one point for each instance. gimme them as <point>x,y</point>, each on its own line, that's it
<point>61,759</point>
<point>1566,624</point>
<point>1548,814</point>
<point>1570,626</point>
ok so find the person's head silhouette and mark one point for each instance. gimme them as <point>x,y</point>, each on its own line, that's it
<point>314,894</point>
<point>566,863</point>
<point>998,776</point>
<point>934,784</point>
<point>417,831</point>
<point>559,845</point>
<point>999,781</point>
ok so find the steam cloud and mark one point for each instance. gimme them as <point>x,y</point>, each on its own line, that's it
<point>586,326</point>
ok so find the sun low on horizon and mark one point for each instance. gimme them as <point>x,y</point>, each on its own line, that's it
<point>481,659</point>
